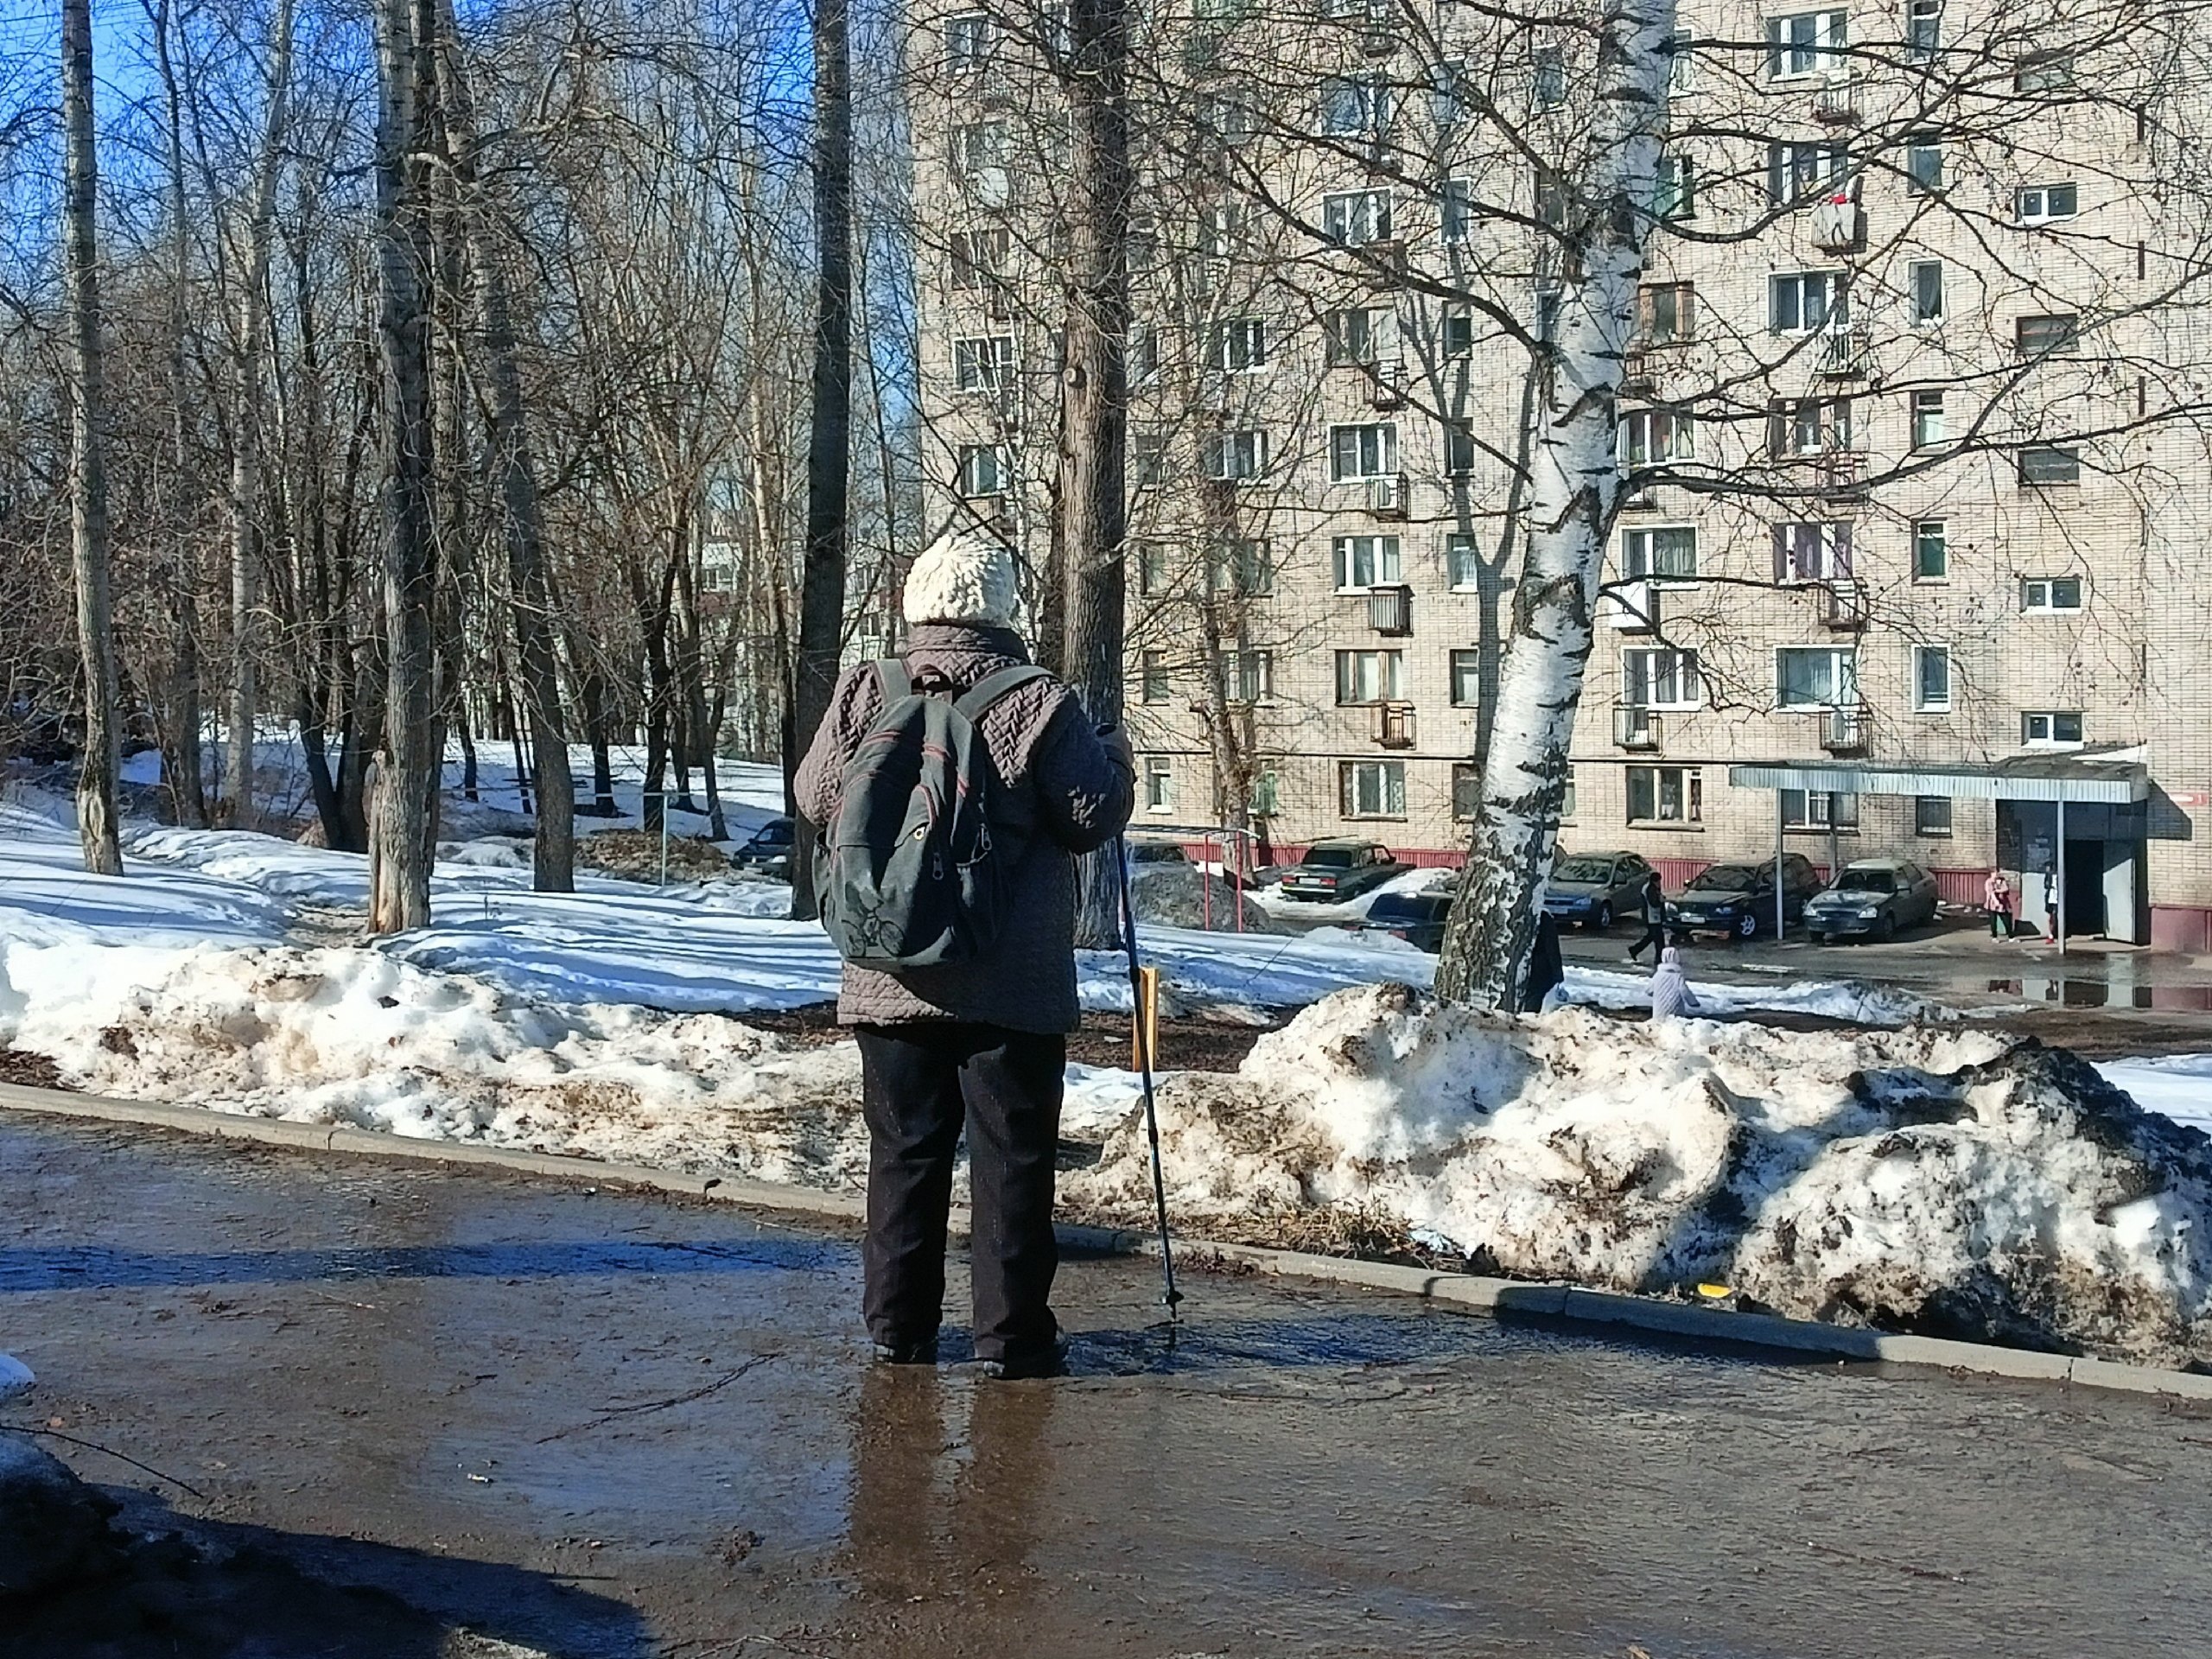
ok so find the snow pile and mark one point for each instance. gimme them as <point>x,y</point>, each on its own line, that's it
<point>1861,1003</point>
<point>2177,1085</point>
<point>15,1378</point>
<point>1942,1180</point>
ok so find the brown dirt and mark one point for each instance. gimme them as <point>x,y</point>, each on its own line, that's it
<point>634,855</point>
<point>1103,1039</point>
<point>30,1071</point>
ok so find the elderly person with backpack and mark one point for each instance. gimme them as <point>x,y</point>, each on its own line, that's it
<point>953,788</point>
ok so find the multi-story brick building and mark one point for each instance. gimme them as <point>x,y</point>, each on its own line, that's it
<point>1919,558</point>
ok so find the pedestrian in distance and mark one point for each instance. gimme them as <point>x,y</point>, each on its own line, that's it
<point>1655,921</point>
<point>953,787</point>
<point>1997,899</point>
<point>1547,973</point>
<point>1671,997</point>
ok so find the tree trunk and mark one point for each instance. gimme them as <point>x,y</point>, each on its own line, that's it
<point>408,762</point>
<point>1575,490</point>
<point>821,583</point>
<point>102,759</point>
<point>1093,506</point>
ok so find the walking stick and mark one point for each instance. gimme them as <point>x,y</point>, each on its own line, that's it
<point>1169,1295</point>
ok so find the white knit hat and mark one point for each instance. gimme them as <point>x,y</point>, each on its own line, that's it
<point>965,576</point>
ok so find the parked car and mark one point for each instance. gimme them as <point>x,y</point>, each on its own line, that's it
<point>1333,871</point>
<point>1156,850</point>
<point>1593,888</point>
<point>1873,896</point>
<point>766,851</point>
<point>1416,918</point>
<point>1738,899</point>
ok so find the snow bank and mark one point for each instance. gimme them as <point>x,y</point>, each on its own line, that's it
<point>2178,1086</point>
<point>1942,1180</point>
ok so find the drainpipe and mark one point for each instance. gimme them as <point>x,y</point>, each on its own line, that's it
<point>2058,880</point>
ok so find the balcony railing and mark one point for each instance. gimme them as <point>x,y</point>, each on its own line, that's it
<point>1394,725</point>
<point>1836,104</point>
<point>1843,729</point>
<point>1843,473</point>
<point>1631,607</point>
<point>1636,727</point>
<point>1386,383</point>
<point>1390,611</point>
<point>1839,225</point>
<point>1843,354</point>
<point>1386,496</point>
<point>1844,603</point>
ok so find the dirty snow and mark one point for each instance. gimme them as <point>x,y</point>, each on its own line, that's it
<point>15,1378</point>
<point>2178,1085</point>
<point>1934,1178</point>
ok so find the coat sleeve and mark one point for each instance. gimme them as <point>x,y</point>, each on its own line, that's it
<point>843,724</point>
<point>1085,794</point>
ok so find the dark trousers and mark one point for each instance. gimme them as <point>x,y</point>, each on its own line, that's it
<point>919,1083</point>
<point>1655,937</point>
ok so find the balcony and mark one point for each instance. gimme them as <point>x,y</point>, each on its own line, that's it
<point>1386,386</point>
<point>1630,606</point>
<point>1844,355</point>
<point>1394,725</point>
<point>1842,475</point>
<point>1836,104</point>
<point>1388,496</point>
<point>1839,225</point>
<point>1636,727</point>
<point>1378,40</point>
<point>990,512</point>
<point>1390,611</point>
<point>1843,729</point>
<point>1844,604</point>
<point>1636,376</point>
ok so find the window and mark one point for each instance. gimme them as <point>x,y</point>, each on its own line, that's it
<point>1372,789</point>
<point>1548,82</point>
<point>1816,677</point>
<point>1673,188</point>
<point>1455,100</point>
<point>2050,463</point>
<point>1267,796</point>
<point>1566,799</point>
<point>1925,278</point>
<point>1649,435</point>
<point>1141,354</point>
<point>984,469</point>
<point>1931,678</point>
<point>2045,71</point>
<point>1234,455</point>
<point>979,258</point>
<point>1352,106</point>
<point>1353,336</point>
<point>1805,43</point>
<point>1364,562</point>
<point>1550,200</point>
<point>1931,551</point>
<point>2051,727</point>
<point>1666,795</point>
<point>1459,449</point>
<point>2051,594</point>
<point>1466,678</point>
<point>1369,675</point>
<point>1927,420</point>
<point>1467,792</point>
<point>979,152</point>
<point>1801,171</point>
<point>1808,426</point>
<point>1819,809</point>
<point>2041,336</point>
<point>1924,164</point>
<point>984,364</point>
<point>1806,303</point>
<point>1244,567</point>
<point>1458,331</point>
<point>1681,62</point>
<point>967,40</point>
<point>1148,460</point>
<point>1151,676</point>
<point>1246,675</point>
<point>1456,212</point>
<point>1462,563</point>
<point>1159,786</point>
<point>1238,345</point>
<point>1812,550</point>
<point>1661,679</point>
<point>1353,219</point>
<point>2038,204</point>
<point>1230,122</point>
<point>1931,815</point>
<point>1222,229</point>
<point>1667,550</point>
<point>1152,569</point>
<point>1363,451</point>
<point>1666,313</point>
<point>1924,30</point>
<point>1543,318</point>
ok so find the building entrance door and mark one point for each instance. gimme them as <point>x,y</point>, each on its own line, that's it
<point>2085,887</point>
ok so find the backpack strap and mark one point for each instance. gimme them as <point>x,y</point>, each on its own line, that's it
<point>989,690</point>
<point>896,683</point>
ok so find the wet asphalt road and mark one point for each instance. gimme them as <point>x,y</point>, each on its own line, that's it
<point>598,1424</point>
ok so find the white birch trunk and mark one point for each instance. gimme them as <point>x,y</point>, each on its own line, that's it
<point>1575,488</point>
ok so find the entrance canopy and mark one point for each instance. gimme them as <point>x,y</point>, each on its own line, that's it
<point>2073,777</point>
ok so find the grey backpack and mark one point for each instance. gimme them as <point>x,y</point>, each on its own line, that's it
<point>912,870</point>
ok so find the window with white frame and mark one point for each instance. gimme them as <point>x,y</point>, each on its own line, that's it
<point>1931,679</point>
<point>1363,561</point>
<point>1246,675</point>
<point>1806,301</point>
<point>1803,170</point>
<point>1816,677</point>
<point>1457,332</point>
<point>1159,785</point>
<point>1466,678</point>
<point>1223,228</point>
<point>1234,455</point>
<point>1467,792</point>
<point>1682,63</point>
<point>1238,345</point>
<point>1141,353</point>
<point>1809,426</point>
<point>1567,797</point>
<point>1152,569</point>
<point>1550,194</point>
<point>1819,809</point>
<point>1355,336</point>
<point>1456,209</point>
<point>1669,550</point>
<point>984,364</point>
<point>1228,120</point>
<point>1151,676</point>
<point>1369,451</point>
<point>1923,163</point>
<point>1148,460</point>
<point>1459,449</point>
<point>2039,204</point>
<point>1807,43</point>
<point>981,151</point>
<point>1267,796</point>
<point>1661,679</point>
<point>967,40</point>
<point>1674,187</point>
<point>1931,550</point>
<point>2049,594</point>
<point>1353,219</point>
<point>1666,313</point>
<point>1453,95</point>
<point>2045,71</point>
<point>1924,30</point>
<point>1931,815</point>
<point>1372,789</point>
<point>1352,105</point>
<point>985,469</point>
<point>1654,435</point>
<point>2043,336</point>
<point>1927,420</point>
<point>2050,463</point>
<point>1925,285</point>
<point>1365,676</point>
<point>979,258</point>
<point>1812,550</point>
<point>1666,795</point>
<point>1547,77</point>
<point>2051,728</point>
<point>1462,563</point>
<point>1244,567</point>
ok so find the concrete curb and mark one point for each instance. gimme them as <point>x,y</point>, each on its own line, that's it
<point>1510,1297</point>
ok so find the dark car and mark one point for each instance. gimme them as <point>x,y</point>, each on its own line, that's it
<point>1593,888</point>
<point>1416,918</point>
<point>1152,851</point>
<point>1872,897</point>
<point>1333,871</point>
<point>766,851</point>
<point>1738,899</point>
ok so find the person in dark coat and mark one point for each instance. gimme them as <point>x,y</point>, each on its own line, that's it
<point>1655,921</point>
<point>1547,973</point>
<point>980,1043</point>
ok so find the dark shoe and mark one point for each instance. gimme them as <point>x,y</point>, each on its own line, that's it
<point>922,1353</point>
<point>1044,1362</point>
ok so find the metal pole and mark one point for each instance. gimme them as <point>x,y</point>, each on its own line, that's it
<point>1778,816</point>
<point>1169,1295</point>
<point>2058,880</point>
